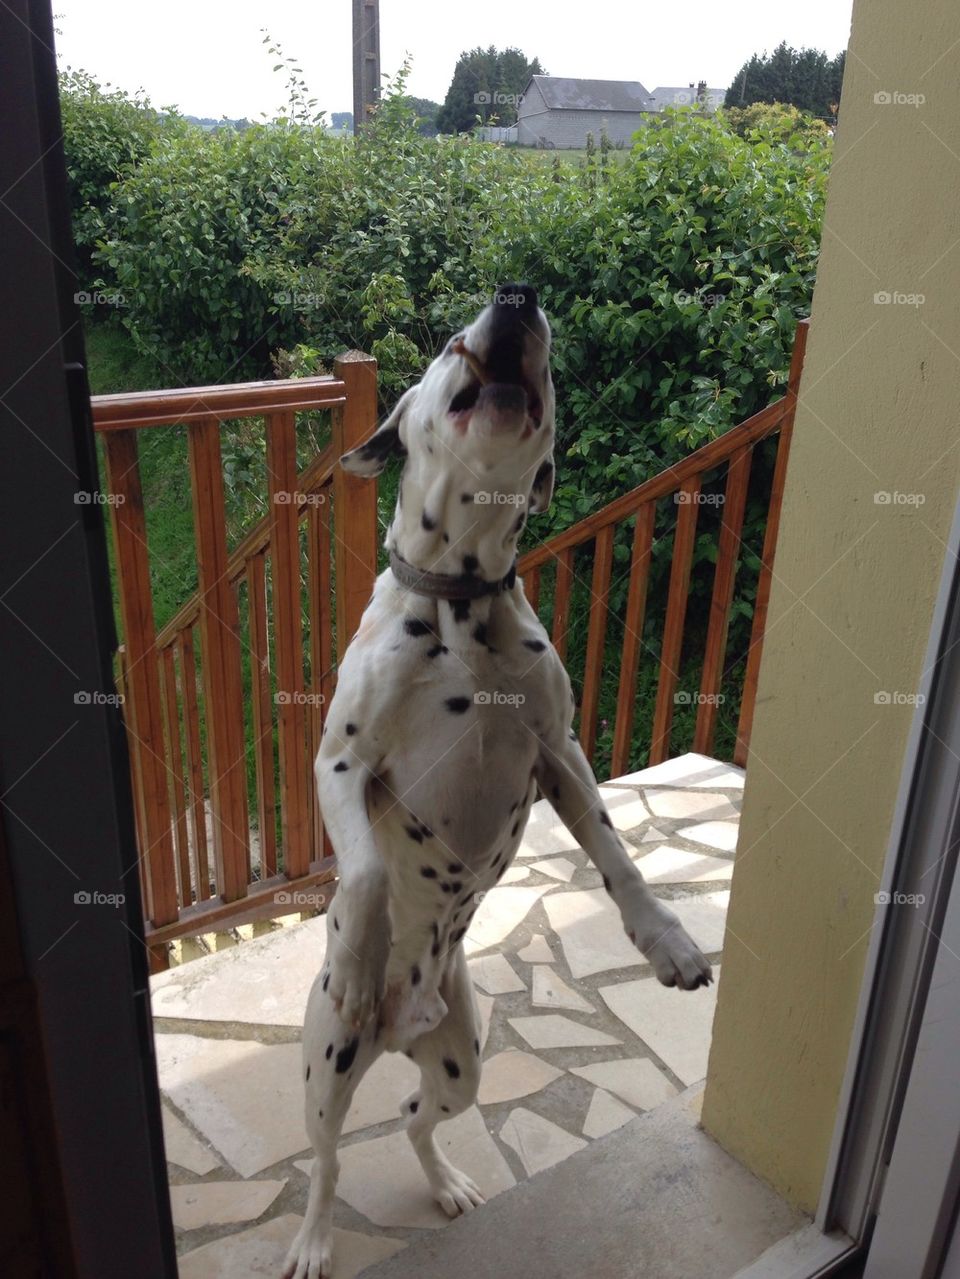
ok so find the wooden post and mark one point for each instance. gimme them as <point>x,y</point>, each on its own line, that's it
<point>288,642</point>
<point>144,714</point>
<point>765,581</point>
<point>683,543</point>
<point>222,679</point>
<point>355,528</point>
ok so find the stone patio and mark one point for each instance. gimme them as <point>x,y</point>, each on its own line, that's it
<point>578,1040</point>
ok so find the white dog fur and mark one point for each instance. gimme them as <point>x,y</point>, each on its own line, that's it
<point>449,715</point>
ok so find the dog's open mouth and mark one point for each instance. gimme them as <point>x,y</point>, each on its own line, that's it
<point>503,397</point>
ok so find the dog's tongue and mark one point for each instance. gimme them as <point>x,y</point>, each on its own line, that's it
<point>501,406</point>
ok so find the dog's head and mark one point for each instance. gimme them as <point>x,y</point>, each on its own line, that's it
<point>477,432</point>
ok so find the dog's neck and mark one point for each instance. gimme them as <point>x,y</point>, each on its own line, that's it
<point>450,525</point>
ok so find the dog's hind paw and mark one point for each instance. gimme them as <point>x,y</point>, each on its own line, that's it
<point>675,956</point>
<point>455,1192</point>
<point>310,1255</point>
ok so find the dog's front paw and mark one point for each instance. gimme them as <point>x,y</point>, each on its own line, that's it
<point>310,1255</point>
<point>353,983</point>
<point>657,932</point>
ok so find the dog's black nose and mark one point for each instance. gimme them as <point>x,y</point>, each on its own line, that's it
<point>519,297</point>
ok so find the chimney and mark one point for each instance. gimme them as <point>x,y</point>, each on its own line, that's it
<point>702,91</point>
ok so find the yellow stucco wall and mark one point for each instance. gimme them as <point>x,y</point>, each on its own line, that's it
<point>855,584</point>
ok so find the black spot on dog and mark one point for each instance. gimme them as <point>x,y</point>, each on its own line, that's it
<point>470,564</point>
<point>436,650</point>
<point>428,522</point>
<point>461,610</point>
<point>346,1055</point>
<point>319,1114</point>
<point>409,1052</point>
<point>351,729</point>
<point>514,807</point>
<point>466,497</point>
<point>451,1067</point>
<point>336,926</point>
<point>445,887</point>
<point>476,1046</point>
<point>514,828</point>
<point>534,645</point>
<point>605,818</point>
<point>556,792</point>
<point>435,949</point>
<point>326,980</point>
<point>445,1109</point>
<point>308,1074</point>
<point>414,834</point>
<point>414,1105</point>
<point>456,886</point>
<point>340,767</point>
<point>416,626</point>
<point>480,634</point>
<point>329,1053</point>
<point>456,935</point>
<point>415,976</point>
<point>606,883</point>
<point>454,868</point>
<point>457,705</point>
<point>446,537</point>
<point>428,872</point>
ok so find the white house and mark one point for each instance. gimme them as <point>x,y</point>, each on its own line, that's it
<point>557,111</point>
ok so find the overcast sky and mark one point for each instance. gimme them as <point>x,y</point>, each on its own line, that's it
<point>207,58</point>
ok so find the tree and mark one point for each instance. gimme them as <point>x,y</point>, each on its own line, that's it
<point>487,83</point>
<point>426,112</point>
<point>804,78</point>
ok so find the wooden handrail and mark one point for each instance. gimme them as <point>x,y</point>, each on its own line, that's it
<point>135,409</point>
<point>683,480</point>
<point>190,691</point>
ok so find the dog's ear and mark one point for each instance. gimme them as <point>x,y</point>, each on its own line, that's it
<point>541,495</point>
<point>370,458</point>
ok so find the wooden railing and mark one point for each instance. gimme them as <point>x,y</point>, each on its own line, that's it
<point>183,686</point>
<point>734,450</point>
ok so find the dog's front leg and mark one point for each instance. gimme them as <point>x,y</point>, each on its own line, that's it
<point>357,940</point>
<point>567,780</point>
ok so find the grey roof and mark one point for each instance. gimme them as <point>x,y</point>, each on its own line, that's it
<point>683,96</point>
<point>568,94</point>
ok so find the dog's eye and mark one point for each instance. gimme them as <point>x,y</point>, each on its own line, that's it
<point>464,399</point>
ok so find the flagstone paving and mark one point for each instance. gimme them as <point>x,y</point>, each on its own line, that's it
<point>578,1038</point>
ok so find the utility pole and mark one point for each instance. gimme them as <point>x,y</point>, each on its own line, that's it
<point>366,60</point>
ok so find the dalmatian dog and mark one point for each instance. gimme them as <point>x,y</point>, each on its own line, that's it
<point>452,710</point>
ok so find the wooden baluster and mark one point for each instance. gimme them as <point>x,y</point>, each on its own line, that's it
<point>196,808</point>
<point>144,716</point>
<point>632,637</point>
<point>735,496</point>
<point>680,567</point>
<point>531,588</point>
<point>356,532</point>
<point>762,603</point>
<point>222,679</point>
<point>171,715</point>
<point>561,601</point>
<point>288,642</point>
<point>596,635</point>
<point>321,638</point>
<point>262,705</point>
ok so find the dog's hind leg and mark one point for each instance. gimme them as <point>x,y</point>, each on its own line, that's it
<point>335,1059</point>
<point>449,1061</point>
